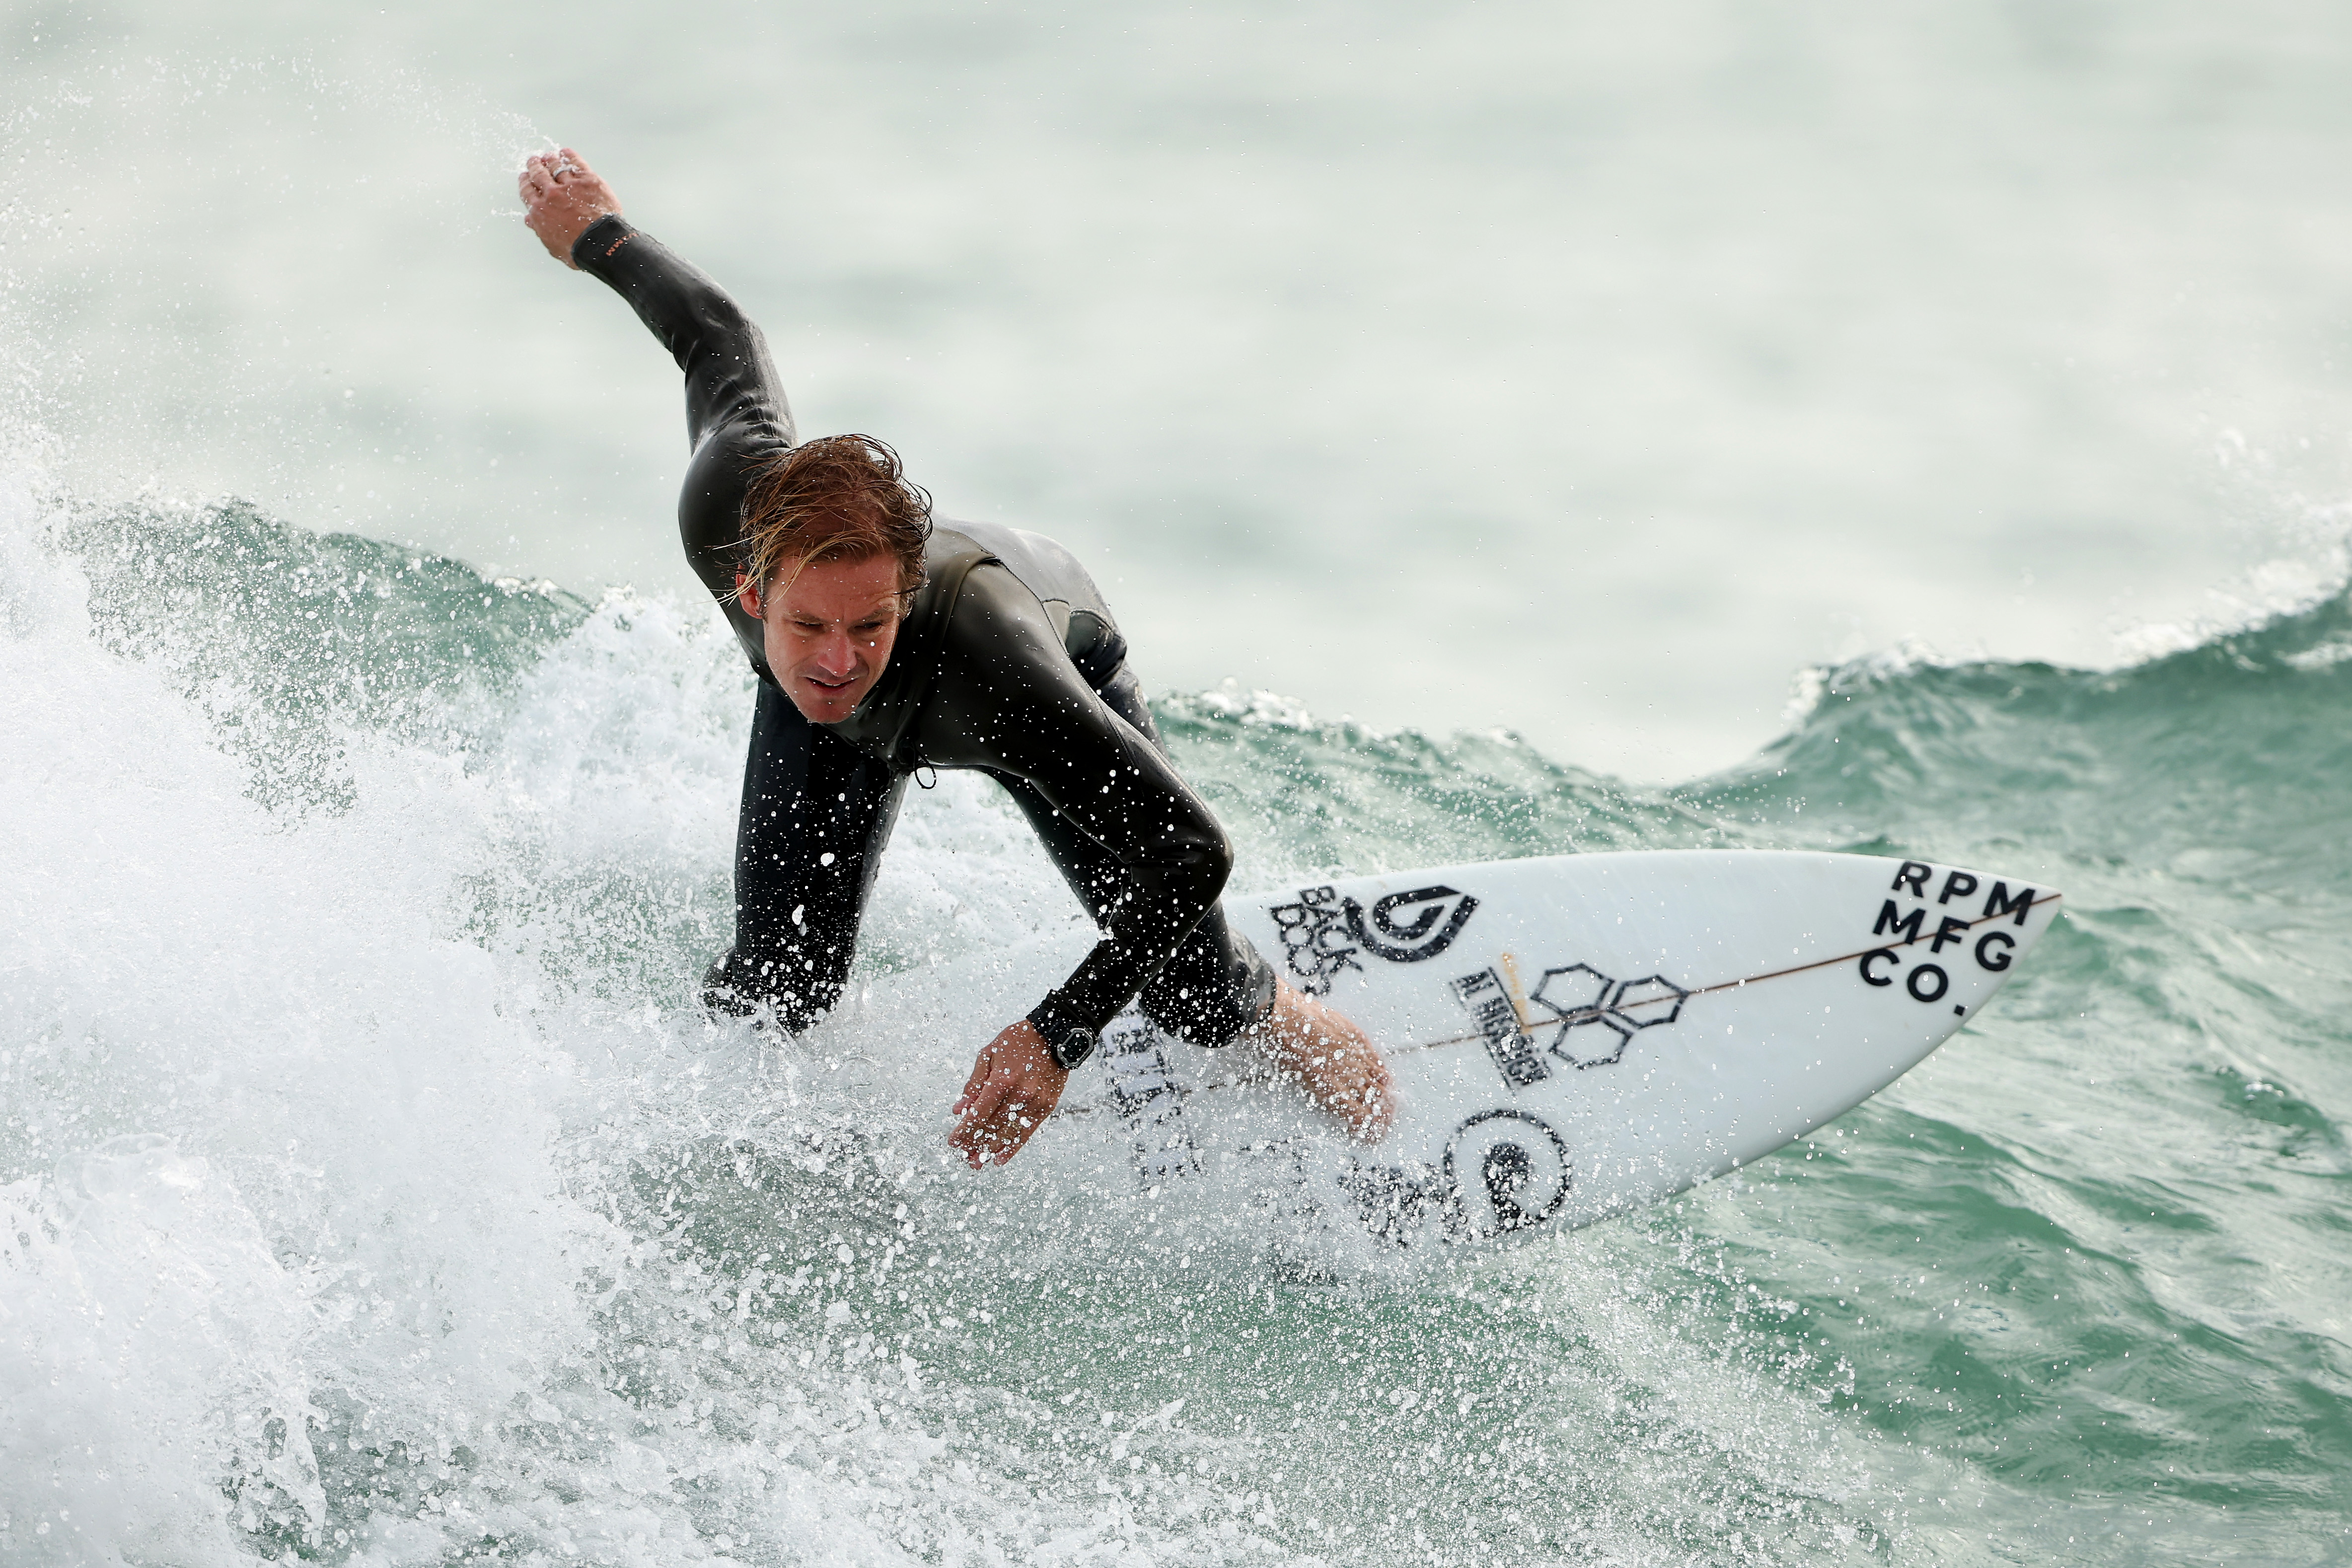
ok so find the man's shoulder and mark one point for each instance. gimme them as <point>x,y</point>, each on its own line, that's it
<point>1046,570</point>
<point>987,602</point>
<point>954,547</point>
<point>1003,538</point>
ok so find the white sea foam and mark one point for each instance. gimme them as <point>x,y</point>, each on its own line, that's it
<point>224,1028</point>
<point>326,1103</point>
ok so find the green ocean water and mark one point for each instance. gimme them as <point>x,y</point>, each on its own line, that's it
<point>356,1131</point>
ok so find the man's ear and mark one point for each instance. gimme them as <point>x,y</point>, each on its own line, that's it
<point>746,594</point>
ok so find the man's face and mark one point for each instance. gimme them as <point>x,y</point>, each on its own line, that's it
<point>828,632</point>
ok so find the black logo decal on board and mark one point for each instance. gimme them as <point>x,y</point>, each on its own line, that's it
<point>1580,997</point>
<point>1489,1005</point>
<point>1314,939</point>
<point>1324,934</point>
<point>1503,1170</point>
<point>1422,935</point>
<point>1145,1097</point>
<point>1396,1202</point>
<point>1507,1171</point>
<point>1927,980</point>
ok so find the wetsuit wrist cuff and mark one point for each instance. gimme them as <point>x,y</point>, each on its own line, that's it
<point>599,241</point>
<point>1054,1018</point>
<point>1047,1019</point>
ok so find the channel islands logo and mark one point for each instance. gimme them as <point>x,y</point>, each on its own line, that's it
<point>1592,1018</point>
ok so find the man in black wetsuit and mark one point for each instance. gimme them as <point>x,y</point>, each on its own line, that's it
<point>884,644</point>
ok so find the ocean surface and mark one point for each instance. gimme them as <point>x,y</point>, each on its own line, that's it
<point>372,1191</point>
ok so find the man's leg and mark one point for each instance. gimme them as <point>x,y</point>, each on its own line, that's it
<point>817,813</point>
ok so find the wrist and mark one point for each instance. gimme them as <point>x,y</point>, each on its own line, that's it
<point>1068,1041</point>
<point>605,233</point>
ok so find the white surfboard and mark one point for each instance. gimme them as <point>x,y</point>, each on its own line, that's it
<point>1571,1037</point>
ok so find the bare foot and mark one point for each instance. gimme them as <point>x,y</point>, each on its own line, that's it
<point>1325,1054</point>
<point>562,195</point>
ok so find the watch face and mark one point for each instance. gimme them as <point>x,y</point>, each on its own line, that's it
<point>1075,1046</point>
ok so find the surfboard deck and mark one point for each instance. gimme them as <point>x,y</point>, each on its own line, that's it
<point>1571,1037</point>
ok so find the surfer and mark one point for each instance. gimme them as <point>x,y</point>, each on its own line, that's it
<point>887,645</point>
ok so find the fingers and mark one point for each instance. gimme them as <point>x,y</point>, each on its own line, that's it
<point>997,1137</point>
<point>977,1108</point>
<point>996,1128</point>
<point>994,1117</point>
<point>1377,1097</point>
<point>543,172</point>
<point>1334,1063</point>
<point>561,197</point>
<point>982,1069</point>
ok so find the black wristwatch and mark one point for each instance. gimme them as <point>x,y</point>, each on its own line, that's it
<point>1073,1044</point>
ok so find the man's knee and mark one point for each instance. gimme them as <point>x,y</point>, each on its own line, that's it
<point>793,990</point>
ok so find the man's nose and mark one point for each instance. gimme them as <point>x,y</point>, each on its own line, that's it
<point>837,654</point>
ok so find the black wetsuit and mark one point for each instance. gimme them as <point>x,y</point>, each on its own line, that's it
<point>1008,662</point>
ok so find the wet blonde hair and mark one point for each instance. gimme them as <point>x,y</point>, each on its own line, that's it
<point>838,498</point>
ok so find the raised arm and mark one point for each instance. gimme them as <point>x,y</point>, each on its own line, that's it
<point>736,415</point>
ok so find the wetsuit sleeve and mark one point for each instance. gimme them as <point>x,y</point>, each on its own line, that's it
<point>736,415</point>
<point>1008,699</point>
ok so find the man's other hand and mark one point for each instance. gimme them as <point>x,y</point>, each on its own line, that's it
<point>562,195</point>
<point>1321,1050</point>
<point>1014,1086</point>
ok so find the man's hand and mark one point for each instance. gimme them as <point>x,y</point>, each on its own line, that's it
<point>562,195</point>
<point>1014,1087</point>
<point>1321,1050</point>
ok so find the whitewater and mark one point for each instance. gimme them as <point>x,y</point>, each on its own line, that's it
<point>375,1193</point>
